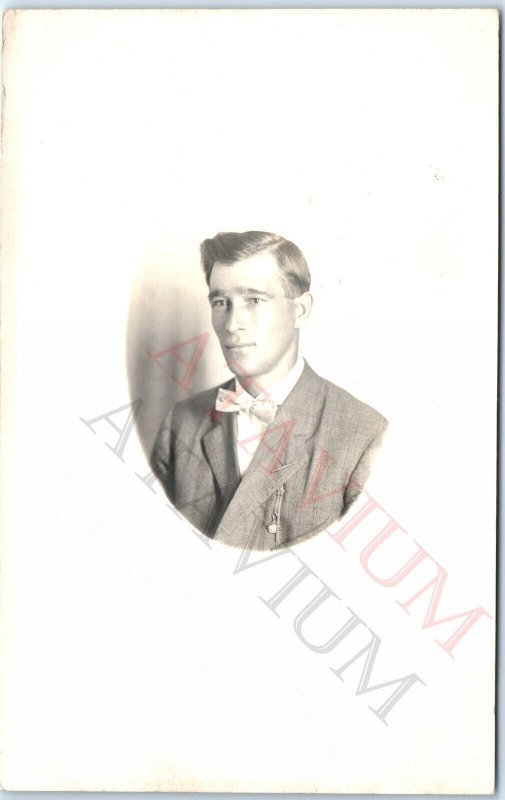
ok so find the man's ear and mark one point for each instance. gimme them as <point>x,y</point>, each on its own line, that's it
<point>303,307</point>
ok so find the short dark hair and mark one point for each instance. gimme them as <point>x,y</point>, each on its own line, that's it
<point>230,247</point>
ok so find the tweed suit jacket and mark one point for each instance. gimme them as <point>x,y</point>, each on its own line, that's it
<point>310,464</point>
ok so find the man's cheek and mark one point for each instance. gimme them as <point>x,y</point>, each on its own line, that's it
<point>218,328</point>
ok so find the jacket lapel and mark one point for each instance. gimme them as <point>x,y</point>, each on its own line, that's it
<point>284,449</point>
<point>219,446</point>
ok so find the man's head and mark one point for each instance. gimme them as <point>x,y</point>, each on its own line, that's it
<point>228,248</point>
<point>259,297</point>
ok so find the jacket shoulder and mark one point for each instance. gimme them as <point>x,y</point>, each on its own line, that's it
<point>197,402</point>
<point>356,406</point>
<point>184,422</point>
<point>355,412</point>
<point>198,405</point>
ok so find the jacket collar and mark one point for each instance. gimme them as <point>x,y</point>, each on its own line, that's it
<point>283,449</point>
<point>280,390</point>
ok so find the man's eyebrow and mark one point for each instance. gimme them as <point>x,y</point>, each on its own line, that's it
<point>241,291</point>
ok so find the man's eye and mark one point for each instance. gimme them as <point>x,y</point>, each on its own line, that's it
<point>218,302</point>
<point>255,301</point>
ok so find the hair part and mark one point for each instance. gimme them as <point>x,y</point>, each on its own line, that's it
<point>227,248</point>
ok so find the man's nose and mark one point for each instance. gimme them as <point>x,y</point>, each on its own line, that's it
<point>235,319</point>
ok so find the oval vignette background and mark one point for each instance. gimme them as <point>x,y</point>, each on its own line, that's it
<point>168,307</point>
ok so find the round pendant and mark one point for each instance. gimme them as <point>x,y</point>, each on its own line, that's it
<point>272,528</point>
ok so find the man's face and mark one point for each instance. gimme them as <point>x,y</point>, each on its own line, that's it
<point>253,319</point>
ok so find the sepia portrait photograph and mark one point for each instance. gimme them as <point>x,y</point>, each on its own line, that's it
<point>249,423</point>
<point>278,453</point>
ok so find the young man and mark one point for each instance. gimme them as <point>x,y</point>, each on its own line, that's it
<point>276,454</point>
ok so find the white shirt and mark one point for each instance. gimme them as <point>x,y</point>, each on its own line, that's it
<point>250,429</point>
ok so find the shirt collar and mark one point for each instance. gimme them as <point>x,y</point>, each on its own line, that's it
<point>279,390</point>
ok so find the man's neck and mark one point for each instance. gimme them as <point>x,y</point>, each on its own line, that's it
<point>277,386</point>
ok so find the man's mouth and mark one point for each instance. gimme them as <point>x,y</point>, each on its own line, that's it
<point>240,346</point>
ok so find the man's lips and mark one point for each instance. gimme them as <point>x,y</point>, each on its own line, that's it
<point>239,346</point>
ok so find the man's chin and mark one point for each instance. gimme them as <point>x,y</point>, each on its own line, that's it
<point>241,366</point>
<point>241,370</point>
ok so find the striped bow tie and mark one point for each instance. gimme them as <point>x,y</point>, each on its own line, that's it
<point>264,410</point>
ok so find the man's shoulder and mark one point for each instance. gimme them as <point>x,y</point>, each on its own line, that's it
<point>198,405</point>
<point>354,405</point>
<point>341,401</point>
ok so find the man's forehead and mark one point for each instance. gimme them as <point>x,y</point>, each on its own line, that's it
<point>260,272</point>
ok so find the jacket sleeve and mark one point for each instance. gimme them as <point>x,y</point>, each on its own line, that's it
<point>162,455</point>
<point>363,468</point>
